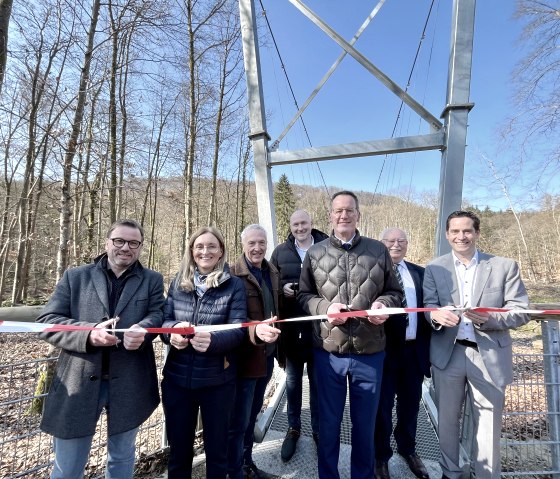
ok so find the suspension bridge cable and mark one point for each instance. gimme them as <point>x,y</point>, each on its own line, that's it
<point>422,37</point>
<point>291,89</point>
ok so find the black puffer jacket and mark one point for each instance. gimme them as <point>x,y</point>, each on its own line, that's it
<point>357,277</point>
<point>296,338</point>
<point>222,305</point>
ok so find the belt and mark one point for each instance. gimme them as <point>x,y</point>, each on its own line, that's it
<point>467,343</point>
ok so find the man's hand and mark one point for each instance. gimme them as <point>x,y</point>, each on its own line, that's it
<point>445,317</point>
<point>99,337</point>
<point>477,317</point>
<point>134,337</point>
<point>289,290</point>
<point>378,319</point>
<point>337,308</point>
<point>266,332</point>
<point>177,340</point>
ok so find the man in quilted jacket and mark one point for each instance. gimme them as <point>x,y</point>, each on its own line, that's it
<point>345,272</point>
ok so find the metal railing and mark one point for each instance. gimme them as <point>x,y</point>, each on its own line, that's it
<point>531,420</point>
<point>25,451</point>
<point>530,430</point>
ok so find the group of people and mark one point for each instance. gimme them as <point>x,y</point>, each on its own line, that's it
<point>377,360</point>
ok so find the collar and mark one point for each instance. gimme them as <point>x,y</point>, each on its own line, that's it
<point>304,249</point>
<point>102,262</point>
<point>350,241</point>
<point>457,262</point>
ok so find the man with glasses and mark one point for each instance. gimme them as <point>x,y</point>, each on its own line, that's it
<point>345,272</point>
<point>407,361</point>
<point>98,369</point>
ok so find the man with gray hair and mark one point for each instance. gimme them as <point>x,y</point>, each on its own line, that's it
<point>407,361</point>
<point>256,355</point>
<point>348,272</point>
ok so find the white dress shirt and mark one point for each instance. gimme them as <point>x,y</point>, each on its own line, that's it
<point>465,280</point>
<point>411,302</point>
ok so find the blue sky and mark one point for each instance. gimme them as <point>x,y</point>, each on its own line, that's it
<point>354,106</point>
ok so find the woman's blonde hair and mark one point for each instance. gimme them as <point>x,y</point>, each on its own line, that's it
<point>185,276</point>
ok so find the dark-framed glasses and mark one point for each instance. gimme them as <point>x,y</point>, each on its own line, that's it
<point>132,244</point>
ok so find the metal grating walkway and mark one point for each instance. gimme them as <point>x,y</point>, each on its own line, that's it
<point>304,463</point>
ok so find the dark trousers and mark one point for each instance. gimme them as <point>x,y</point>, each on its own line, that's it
<point>248,402</point>
<point>402,378</point>
<point>362,375</point>
<point>181,406</point>
<point>294,391</point>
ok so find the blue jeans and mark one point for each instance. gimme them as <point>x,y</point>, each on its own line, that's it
<point>361,374</point>
<point>294,388</point>
<point>249,397</point>
<point>71,455</point>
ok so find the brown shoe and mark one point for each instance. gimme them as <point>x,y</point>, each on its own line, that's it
<point>382,470</point>
<point>417,466</point>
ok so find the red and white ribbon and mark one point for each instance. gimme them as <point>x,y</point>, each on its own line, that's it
<point>24,327</point>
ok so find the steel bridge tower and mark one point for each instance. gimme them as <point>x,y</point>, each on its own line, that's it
<point>448,136</point>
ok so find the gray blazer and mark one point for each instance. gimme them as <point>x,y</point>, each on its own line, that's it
<point>497,284</point>
<point>81,298</point>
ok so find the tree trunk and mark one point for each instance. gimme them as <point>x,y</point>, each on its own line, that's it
<point>189,167</point>
<point>5,13</point>
<point>113,167</point>
<point>66,198</point>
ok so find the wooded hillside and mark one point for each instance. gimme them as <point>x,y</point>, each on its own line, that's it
<point>535,246</point>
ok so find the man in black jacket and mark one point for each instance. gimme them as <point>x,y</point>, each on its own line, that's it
<point>407,361</point>
<point>296,345</point>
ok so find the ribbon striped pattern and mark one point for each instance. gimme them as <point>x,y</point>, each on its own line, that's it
<point>23,327</point>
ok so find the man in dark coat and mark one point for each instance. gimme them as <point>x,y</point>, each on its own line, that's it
<point>98,370</point>
<point>295,347</point>
<point>407,361</point>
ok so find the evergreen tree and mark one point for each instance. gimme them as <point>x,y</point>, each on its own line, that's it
<point>284,204</point>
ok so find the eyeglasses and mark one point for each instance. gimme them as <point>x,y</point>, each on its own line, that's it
<point>393,241</point>
<point>211,248</point>
<point>119,243</point>
<point>340,211</point>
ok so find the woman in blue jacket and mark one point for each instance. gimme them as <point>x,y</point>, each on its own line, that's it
<point>200,371</point>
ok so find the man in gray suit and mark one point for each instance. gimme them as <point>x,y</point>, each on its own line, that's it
<point>98,370</point>
<point>471,349</point>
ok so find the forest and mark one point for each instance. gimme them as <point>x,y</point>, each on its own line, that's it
<point>137,108</point>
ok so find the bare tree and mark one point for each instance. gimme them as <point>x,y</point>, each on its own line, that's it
<point>5,13</point>
<point>65,197</point>
<point>536,79</point>
<point>230,59</point>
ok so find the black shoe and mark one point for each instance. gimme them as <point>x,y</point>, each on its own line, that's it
<point>289,444</point>
<point>416,466</point>
<point>251,471</point>
<point>382,470</point>
<point>316,438</point>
